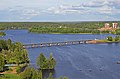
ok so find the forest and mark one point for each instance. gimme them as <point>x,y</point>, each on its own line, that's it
<point>12,53</point>
<point>57,27</point>
<point>26,25</point>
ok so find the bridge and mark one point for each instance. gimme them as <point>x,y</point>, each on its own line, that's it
<point>49,44</point>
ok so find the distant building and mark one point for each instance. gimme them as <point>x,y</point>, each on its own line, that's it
<point>107,25</point>
<point>114,25</point>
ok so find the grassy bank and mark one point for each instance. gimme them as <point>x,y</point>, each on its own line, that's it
<point>64,30</point>
<point>9,76</point>
<point>108,39</point>
<point>2,34</point>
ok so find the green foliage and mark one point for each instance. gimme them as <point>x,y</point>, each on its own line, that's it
<point>40,60</point>
<point>44,63</point>
<point>27,74</point>
<point>109,38</point>
<point>13,52</point>
<point>26,25</point>
<point>2,34</point>
<point>50,76</point>
<point>95,32</point>
<point>9,76</point>
<point>117,31</point>
<point>117,38</point>
<point>31,73</point>
<point>56,27</point>
<point>3,45</point>
<point>2,63</point>
<point>62,30</point>
<point>18,69</point>
<point>105,31</point>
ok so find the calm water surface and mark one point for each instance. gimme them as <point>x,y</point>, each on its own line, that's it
<point>85,61</point>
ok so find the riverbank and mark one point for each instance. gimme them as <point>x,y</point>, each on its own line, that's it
<point>101,41</point>
<point>62,30</point>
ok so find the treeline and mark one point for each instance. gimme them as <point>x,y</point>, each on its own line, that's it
<point>115,39</point>
<point>117,32</point>
<point>45,63</point>
<point>12,53</point>
<point>26,25</point>
<point>63,30</point>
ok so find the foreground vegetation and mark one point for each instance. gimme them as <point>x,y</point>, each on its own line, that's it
<point>115,39</point>
<point>29,73</point>
<point>44,63</point>
<point>9,76</point>
<point>117,32</point>
<point>2,34</point>
<point>12,53</point>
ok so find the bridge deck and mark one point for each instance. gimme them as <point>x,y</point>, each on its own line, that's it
<point>48,44</point>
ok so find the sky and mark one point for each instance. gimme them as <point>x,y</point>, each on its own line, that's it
<point>59,10</point>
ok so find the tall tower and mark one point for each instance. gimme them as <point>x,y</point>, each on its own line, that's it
<point>114,25</point>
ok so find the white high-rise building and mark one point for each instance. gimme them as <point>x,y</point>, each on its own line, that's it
<point>107,25</point>
<point>114,25</point>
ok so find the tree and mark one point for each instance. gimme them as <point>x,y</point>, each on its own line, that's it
<point>117,31</point>
<point>109,38</point>
<point>37,74</point>
<point>52,62</point>
<point>44,63</point>
<point>13,52</point>
<point>2,34</point>
<point>40,61</point>
<point>117,38</point>
<point>31,73</point>
<point>95,32</point>
<point>9,42</point>
<point>27,74</point>
<point>50,76</point>
<point>3,45</point>
<point>2,63</point>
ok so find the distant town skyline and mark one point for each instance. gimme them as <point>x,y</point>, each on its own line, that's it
<point>59,10</point>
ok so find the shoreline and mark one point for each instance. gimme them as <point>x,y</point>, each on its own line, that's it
<point>101,42</point>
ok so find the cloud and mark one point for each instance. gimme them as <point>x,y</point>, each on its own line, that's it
<point>63,9</point>
<point>101,3</point>
<point>54,9</point>
<point>23,13</point>
<point>96,6</point>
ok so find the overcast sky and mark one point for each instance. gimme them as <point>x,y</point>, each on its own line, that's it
<point>59,10</point>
